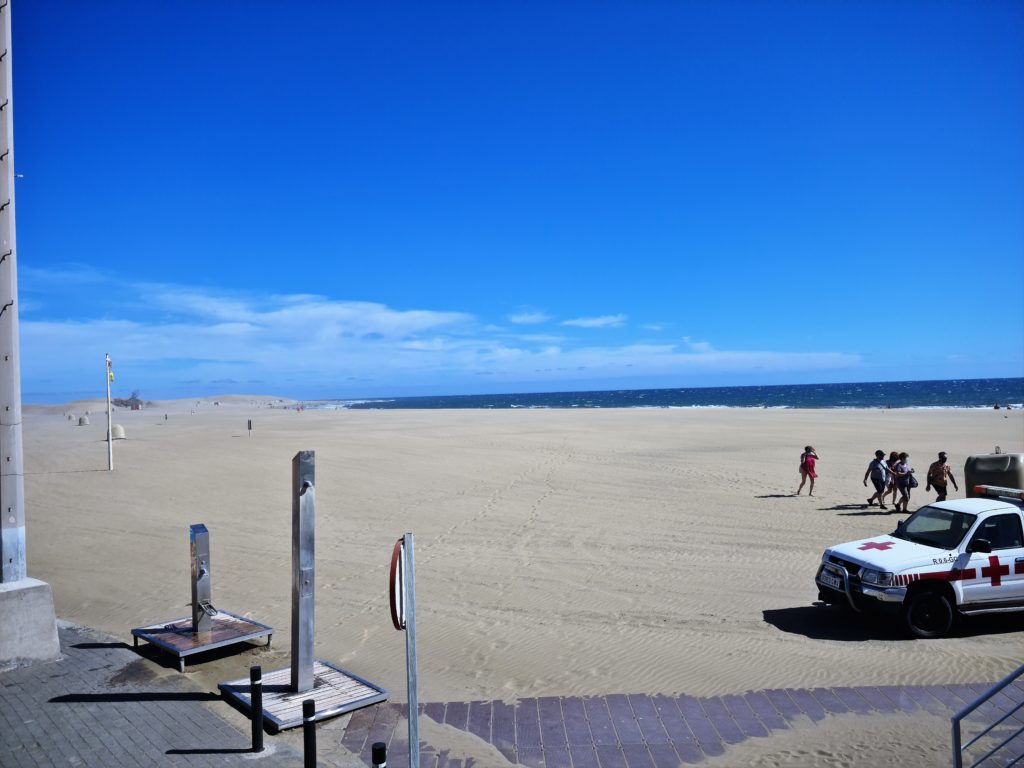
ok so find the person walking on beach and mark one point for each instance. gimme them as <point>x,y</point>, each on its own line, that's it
<point>807,461</point>
<point>879,474</point>
<point>892,461</point>
<point>904,481</point>
<point>938,472</point>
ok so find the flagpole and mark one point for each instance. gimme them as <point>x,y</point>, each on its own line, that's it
<point>110,436</point>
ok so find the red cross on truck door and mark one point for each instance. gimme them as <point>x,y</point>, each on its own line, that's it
<point>995,571</point>
<point>1000,572</point>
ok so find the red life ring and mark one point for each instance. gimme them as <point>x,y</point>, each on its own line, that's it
<point>396,581</point>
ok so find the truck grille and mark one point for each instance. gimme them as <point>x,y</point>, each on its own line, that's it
<point>851,567</point>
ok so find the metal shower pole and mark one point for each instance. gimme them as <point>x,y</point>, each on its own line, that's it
<point>412,680</point>
<point>303,569</point>
<point>110,430</point>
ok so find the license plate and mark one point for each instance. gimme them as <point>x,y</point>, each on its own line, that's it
<point>829,580</point>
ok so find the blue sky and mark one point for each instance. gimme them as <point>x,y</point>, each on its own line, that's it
<point>329,199</point>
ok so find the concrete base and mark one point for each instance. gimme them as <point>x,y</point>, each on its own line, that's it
<point>28,629</point>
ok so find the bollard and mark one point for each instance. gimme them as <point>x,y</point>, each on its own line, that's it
<point>309,733</point>
<point>256,691</point>
<point>379,755</point>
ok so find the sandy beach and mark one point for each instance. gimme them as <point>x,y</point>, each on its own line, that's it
<point>558,552</point>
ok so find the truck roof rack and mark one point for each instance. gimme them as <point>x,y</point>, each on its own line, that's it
<point>995,490</point>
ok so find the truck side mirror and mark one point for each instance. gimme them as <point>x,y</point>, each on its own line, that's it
<point>980,545</point>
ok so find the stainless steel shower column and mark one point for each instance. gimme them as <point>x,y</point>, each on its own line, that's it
<point>303,559</point>
<point>12,482</point>
<point>202,607</point>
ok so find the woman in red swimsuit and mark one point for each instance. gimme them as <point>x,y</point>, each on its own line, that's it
<point>807,461</point>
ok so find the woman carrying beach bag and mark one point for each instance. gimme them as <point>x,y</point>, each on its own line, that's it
<point>905,480</point>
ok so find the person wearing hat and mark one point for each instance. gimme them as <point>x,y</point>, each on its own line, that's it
<point>937,474</point>
<point>879,474</point>
<point>904,474</point>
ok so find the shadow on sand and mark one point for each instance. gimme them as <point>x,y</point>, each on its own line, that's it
<point>862,509</point>
<point>66,471</point>
<point>872,511</point>
<point>826,622</point>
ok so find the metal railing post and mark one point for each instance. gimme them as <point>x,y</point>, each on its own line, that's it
<point>957,719</point>
<point>256,692</point>
<point>379,755</point>
<point>309,733</point>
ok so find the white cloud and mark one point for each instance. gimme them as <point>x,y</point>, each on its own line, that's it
<point>538,338</point>
<point>605,321</point>
<point>161,336</point>
<point>697,346</point>
<point>71,274</point>
<point>529,317</point>
<point>193,303</point>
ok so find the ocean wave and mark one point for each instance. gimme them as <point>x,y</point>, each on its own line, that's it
<point>978,394</point>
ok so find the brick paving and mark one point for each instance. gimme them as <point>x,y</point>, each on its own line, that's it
<point>641,731</point>
<point>104,705</point>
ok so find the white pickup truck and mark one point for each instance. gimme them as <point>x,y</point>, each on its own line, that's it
<point>964,556</point>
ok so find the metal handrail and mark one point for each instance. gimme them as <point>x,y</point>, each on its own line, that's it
<point>958,750</point>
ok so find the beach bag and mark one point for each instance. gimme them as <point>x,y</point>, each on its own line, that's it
<point>912,481</point>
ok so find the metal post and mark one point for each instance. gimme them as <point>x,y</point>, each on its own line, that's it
<point>309,733</point>
<point>110,429</point>
<point>256,697</point>
<point>410,652</point>
<point>303,559</point>
<point>12,481</point>
<point>379,755</point>
<point>202,607</point>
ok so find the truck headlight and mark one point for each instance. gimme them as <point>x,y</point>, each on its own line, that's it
<point>878,578</point>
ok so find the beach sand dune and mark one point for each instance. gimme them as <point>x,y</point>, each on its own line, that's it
<point>557,552</point>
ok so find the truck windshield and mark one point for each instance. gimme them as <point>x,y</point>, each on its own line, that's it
<point>935,527</point>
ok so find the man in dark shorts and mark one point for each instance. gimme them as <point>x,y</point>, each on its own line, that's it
<point>879,474</point>
<point>937,474</point>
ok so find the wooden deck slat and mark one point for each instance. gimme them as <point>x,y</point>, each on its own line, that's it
<point>333,689</point>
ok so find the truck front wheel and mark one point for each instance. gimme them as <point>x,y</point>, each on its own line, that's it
<point>928,614</point>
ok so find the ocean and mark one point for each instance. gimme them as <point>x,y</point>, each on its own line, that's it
<point>956,393</point>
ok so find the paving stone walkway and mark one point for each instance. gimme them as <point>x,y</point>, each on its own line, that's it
<point>640,731</point>
<point>104,705</point>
